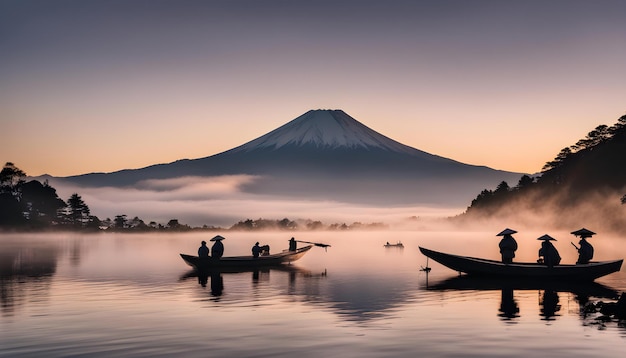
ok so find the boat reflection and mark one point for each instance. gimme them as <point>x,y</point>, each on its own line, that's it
<point>215,280</point>
<point>549,301</point>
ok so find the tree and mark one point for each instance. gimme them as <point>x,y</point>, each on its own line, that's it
<point>559,160</point>
<point>173,224</point>
<point>77,212</point>
<point>41,202</point>
<point>11,207</point>
<point>593,138</point>
<point>138,224</point>
<point>286,224</point>
<point>120,222</point>
<point>248,224</point>
<point>524,182</point>
<point>11,177</point>
<point>314,225</point>
<point>502,188</point>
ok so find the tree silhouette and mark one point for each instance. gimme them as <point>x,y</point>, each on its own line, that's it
<point>41,202</point>
<point>77,212</point>
<point>11,177</point>
<point>524,182</point>
<point>120,221</point>
<point>11,207</point>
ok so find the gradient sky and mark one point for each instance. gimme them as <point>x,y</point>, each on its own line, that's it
<point>98,86</point>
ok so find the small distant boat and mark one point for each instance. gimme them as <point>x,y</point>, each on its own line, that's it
<point>398,244</point>
<point>491,268</point>
<point>280,258</point>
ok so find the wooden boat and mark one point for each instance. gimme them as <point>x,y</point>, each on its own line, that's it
<point>491,268</point>
<point>399,244</point>
<point>280,258</point>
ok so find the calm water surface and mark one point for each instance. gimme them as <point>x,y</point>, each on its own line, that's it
<point>65,295</point>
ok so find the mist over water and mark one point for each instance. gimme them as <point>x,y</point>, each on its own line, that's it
<point>221,201</point>
<point>132,295</point>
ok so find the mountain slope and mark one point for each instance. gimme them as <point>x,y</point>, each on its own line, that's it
<point>584,185</point>
<point>327,154</point>
<point>326,129</point>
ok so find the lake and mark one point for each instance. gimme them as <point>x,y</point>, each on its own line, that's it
<point>103,295</point>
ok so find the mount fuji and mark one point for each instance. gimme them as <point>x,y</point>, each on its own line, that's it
<point>326,155</point>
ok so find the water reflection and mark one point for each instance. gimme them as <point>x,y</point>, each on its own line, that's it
<point>508,305</point>
<point>215,278</point>
<point>549,304</point>
<point>548,293</point>
<point>25,275</point>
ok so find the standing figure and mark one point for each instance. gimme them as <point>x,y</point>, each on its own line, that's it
<point>507,245</point>
<point>292,244</point>
<point>585,251</point>
<point>548,254</point>
<point>203,250</point>
<point>218,247</point>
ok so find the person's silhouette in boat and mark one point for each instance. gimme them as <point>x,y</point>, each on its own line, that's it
<point>218,248</point>
<point>256,250</point>
<point>203,250</point>
<point>507,245</point>
<point>548,254</point>
<point>585,250</point>
<point>292,244</point>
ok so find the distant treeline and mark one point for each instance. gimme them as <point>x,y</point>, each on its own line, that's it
<point>35,206</point>
<point>586,181</point>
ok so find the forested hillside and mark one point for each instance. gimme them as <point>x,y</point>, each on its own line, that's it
<point>584,185</point>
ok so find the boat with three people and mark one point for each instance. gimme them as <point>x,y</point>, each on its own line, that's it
<point>492,268</point>
<point>283,257</point>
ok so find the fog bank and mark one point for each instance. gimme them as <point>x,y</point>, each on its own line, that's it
<point>220,201</point>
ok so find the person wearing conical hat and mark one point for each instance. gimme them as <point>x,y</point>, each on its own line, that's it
<point>548,254</point>
<point>507,245</point>
<point>585,251</point>
<point>218,248</point>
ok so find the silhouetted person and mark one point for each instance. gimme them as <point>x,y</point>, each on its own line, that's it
<point>548,254</point>
<point>292,244</point>
<point>203,251</point>
<point>507,245</point>
<point>218,247</point>
<point>585,251</point>
<point>256,250</point>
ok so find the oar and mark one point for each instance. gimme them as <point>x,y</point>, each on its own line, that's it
<point>574,246</point>
<point>325,246</point>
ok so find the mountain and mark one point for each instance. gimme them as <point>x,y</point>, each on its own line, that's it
<point>326,155</point>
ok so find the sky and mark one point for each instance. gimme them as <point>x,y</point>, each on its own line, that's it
<point>99,86</point>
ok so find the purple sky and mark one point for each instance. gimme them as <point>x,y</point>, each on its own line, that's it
<point>89,86</point>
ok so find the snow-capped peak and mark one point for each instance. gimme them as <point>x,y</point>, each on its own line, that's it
<point>325,128</point>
